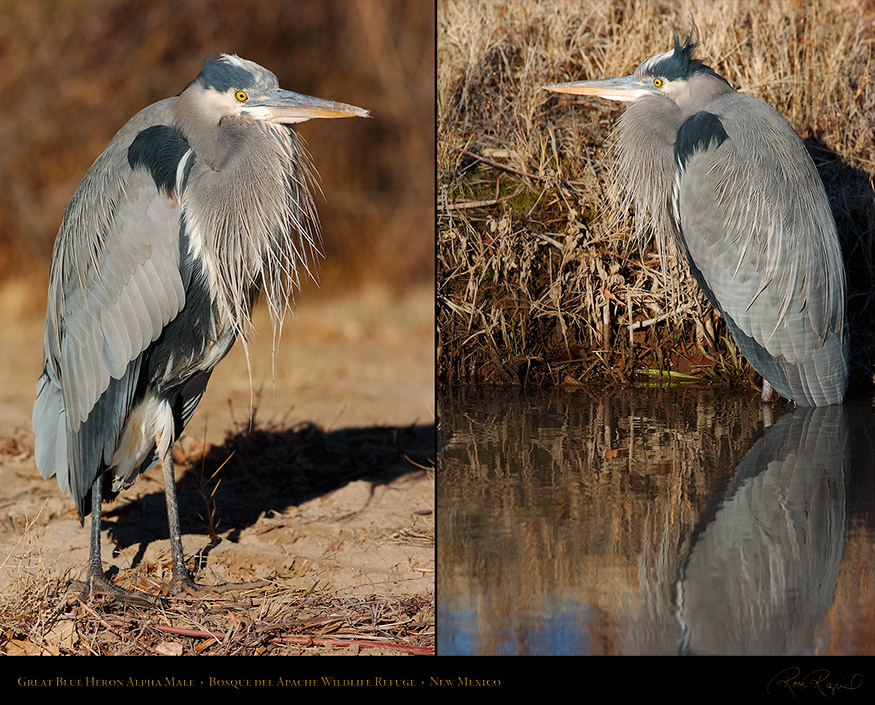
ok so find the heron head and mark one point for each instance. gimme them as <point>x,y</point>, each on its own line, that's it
<point>233,87</point>
<point>673,74</point>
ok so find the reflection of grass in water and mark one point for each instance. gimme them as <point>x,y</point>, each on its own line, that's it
<point>538,280</point>
<point>557,478</point>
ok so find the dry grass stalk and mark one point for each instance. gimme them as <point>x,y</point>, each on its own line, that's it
<point>40,613</point>
<point>539,279</point>
<point>39,618</point>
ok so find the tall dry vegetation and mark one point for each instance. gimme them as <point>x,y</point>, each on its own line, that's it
<point>538,279</point>
<point>75,71</point>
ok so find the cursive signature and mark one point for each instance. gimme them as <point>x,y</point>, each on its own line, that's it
<point>819,680</point>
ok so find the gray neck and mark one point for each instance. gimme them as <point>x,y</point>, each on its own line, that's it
<point>214,139</point>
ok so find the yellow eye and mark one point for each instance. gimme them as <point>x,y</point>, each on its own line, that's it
<point>657,82</point>
<point>241,96</point>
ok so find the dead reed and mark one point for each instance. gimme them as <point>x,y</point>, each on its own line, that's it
<point>538,278</point>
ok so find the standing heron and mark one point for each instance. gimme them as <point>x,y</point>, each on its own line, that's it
<point>200,203</point>
<point>727,178</point>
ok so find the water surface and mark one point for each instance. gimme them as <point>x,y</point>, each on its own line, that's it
<point>613,521</point>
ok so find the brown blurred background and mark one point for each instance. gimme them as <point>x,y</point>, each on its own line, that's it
<point>357,360</point>
<point>73,72</point>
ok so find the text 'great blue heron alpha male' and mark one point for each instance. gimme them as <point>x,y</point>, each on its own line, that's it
<point>197,205</point>
<point>728,179</point>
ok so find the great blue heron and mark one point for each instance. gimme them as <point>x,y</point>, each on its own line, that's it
<point>197,205</point>
<point>729,180</point>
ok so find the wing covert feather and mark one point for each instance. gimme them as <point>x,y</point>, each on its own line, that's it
<point>115,284</point>
<point>760,237</point>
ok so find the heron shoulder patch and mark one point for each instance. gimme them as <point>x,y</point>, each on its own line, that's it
<point>159,149</point>
<point>700,132</point>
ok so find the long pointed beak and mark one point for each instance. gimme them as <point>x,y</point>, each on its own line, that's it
<point>288,107</point>
<point>627,88</point>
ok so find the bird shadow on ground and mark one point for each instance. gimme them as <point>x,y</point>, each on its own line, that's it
<point>850,192</point>
<point>264,469</point>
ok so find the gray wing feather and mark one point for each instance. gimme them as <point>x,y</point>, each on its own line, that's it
<point>115,284</point>
<point>50,449</point>
<point>756,224</point>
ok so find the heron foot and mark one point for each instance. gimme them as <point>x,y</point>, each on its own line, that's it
<point>186,585</point>
<point>96,583</point>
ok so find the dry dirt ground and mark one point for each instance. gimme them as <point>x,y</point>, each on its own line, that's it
<point>328,495</point>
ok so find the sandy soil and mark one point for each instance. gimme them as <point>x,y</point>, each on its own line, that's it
<point>331,489</point>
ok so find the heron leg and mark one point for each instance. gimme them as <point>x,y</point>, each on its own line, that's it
<point>95,563</point>
<point>181,578</point>
<point>96,581</point>
<point>766,401</point>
